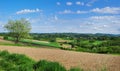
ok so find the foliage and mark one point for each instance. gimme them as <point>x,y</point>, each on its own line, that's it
<point>19,62</point>
<point>5,37</point>
<point>96,43</point>
<point>18,29</point>
<point>15,62</point>
<point>44,65</point>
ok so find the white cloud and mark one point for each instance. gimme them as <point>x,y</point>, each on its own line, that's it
<point>97,28</point>
<point>80,12</point>
<point>93,24</point>
<point>55,17</point>
<point>58,3</point>
<point>69,3</point>
<point>102,17</point>
<point>66,12</point>
<point>79,3</point>
<point>105,26</point>
<point>91,2</point>
<point>72,12</point>
<point>25,11</point>
<point>2,23</point>
<point>107,10</point>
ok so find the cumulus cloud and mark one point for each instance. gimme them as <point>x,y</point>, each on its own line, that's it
<point>66,12</point>
<point>91,2</point>
<point>97,28</point>
<point>72,12</point>
<point>25,11</point>
<point>55,17</point>
<point>58,3</point>
<point>1,25</point>
<point>102,17</point>
<point>79,3</point>
<point>105,24</point>
<point>107,10</point>
<point>93,24</point>
<point>80,12</point>
<point>69,3</point>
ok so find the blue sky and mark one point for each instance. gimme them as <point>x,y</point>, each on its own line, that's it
<point>76,16</point>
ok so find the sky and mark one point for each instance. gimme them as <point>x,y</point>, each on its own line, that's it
<point>64,16</point>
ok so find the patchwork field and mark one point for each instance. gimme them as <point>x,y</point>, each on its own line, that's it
<point>87,61</point>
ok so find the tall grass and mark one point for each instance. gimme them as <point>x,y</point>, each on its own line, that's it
<point>30,42</point>
<point>44,65</point>
<point>15,62</point>
<point>19,62</point>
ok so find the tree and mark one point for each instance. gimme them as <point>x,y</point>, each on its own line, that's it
<point>18,29</point>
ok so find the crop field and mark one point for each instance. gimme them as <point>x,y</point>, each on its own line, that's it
<point>87,61</point>
<point>69,59</point>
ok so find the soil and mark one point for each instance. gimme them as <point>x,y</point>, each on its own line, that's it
<point>87,61</point>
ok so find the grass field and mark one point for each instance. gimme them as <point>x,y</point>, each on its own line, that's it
<point>87,61</point>
<point>41,43</point>
<point>30,42</point>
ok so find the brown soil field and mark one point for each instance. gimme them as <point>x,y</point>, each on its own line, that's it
<point>87,61</point>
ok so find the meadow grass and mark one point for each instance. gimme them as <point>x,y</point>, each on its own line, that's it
<point>20,62</point>
<point>31,43</point>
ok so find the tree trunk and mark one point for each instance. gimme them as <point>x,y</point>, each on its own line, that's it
<point>17,40</point>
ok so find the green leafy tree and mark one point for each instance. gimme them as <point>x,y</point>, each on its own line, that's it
<point>18,29</point>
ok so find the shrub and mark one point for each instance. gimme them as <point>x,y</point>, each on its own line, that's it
<point>4,53</point>
<point>52,40</point>
<point>15,62</point>
<point>114,49</point>
<point>19,59</point>
<point>5,65</point>
<point>102,50</point>
<point>18,62</point>
<point>44,65</point>
<point>5,37</point>
<point>95,50</point>
<point>24,67</point>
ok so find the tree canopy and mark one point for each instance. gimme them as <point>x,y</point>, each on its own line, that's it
<point>18,29</point>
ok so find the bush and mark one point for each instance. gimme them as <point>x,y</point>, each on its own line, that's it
<point>5,37</point>
<point>102,50</point>
<point>52,40</point>
<point>24,67</point>
<point>18,62</point>
<point>4,53</point>
<point>5,65</point>
<point>18,59</point>
<point>44,65</point>
<point>15,62</point>
<point>114,49</point>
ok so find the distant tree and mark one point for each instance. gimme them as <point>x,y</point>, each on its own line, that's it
<point>18,29</point>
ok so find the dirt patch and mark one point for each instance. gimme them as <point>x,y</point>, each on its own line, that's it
<point>87,61</point>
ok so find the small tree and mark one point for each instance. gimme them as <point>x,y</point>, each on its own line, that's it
<point>18,29</point>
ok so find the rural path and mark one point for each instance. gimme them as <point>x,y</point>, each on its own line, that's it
<point>87,61</point>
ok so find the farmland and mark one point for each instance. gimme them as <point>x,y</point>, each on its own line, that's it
<point>49,48</point>
<point>86,61</point>
<point>94,43</point>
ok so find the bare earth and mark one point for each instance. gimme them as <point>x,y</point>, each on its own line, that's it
<point>87,61</point>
